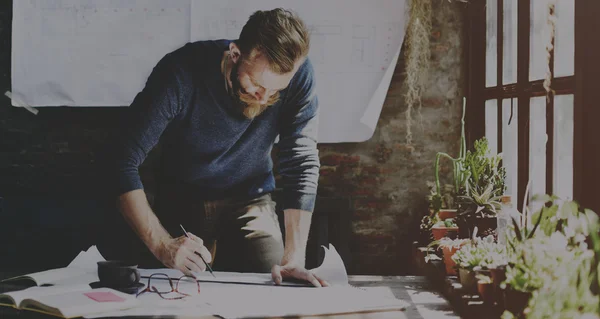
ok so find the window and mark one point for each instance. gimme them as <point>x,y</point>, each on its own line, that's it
<point>523,67</point>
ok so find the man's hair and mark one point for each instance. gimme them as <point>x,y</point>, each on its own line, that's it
<point>279,34</point>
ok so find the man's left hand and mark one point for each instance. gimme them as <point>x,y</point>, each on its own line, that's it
<point>295,271</point>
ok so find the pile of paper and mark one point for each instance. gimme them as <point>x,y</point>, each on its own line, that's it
<point>232,295</point>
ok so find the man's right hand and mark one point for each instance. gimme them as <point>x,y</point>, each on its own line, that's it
<point>182,253</point>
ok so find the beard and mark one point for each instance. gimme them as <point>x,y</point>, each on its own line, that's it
<point>248,104</point>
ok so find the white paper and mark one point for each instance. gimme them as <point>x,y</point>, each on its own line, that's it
<point>332,270</point>
<point>93,52</point>
<point>87,259</point>
<point>371,115</point>
<point>259,301</point>
<point>278,301</point>
<point>100,53</point>
<point>242,295</point>
<point>221,277</point>
<point>83,269</point>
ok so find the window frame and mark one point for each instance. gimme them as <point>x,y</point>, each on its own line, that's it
<point>586,144</point>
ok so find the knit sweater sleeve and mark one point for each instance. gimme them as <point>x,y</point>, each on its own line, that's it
<point>298,155</point>
<point>149,114</point>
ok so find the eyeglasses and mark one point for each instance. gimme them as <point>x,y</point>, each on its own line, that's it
<point>183,287</point>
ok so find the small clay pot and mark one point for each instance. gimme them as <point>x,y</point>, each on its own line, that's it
<point>441,232</point>
<point>498,276</point>
<point>450,264</point>
<point>516,301</point>
<point>444,214</point>
<point>486,291</point>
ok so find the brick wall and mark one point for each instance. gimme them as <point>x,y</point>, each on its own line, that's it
<point>385,177</point>
<point>56,151</point>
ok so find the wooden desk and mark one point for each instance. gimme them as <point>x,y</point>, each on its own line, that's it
<point>425,303</point>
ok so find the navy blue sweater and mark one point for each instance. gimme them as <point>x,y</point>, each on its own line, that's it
<point>208,144</point>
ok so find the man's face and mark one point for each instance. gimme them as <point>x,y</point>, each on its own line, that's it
<point>256,85</point>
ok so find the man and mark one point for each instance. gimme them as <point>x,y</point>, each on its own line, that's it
<point>218,107</point>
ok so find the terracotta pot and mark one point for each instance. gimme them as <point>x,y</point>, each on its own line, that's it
<point>486,291</point>
<point>441,232</point>
<point>468,280</point>
<point>498,276</point>
<point>444,214</point>
<point>516,301</point>
<point>448,262</point>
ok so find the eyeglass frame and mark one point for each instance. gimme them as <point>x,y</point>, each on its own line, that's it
<point>174,288</point>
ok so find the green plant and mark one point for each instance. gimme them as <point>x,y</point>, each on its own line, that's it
<point>460,175</point>
<point>418,55</point>
<point>440,244</point>
<point>484,204</point>
<point>569,295</point>
<point>441,200</point>
<point>483,253</point>
<point>449,222</point>
<point>484,169</point>
<point>556,258</point>
<point>484,184</point>
<point>469,256</point>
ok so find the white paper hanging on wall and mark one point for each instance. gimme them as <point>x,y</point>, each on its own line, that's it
<point>100,53</point>
<point>94,52</point>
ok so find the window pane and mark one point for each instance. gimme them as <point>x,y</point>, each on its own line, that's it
<point>563,147</point>
<point>491,125</point>
<point>564,51</point>
<point>510,145</point>
<point>509,62</point>
<point>537,146</point>
<point>539,39</point>
<point>491,43</point>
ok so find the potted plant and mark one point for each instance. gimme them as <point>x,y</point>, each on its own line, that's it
<point>533,264</point>
<point>444,228</point>
<point>425,234</point>
<point>443,199</point>
<point>449,247</point>
<point>484,186</point>
<point>467,258</point>
<point>553,273</point>
<point>485,288</point>
<point>570,295</point>
<point>442,202</point>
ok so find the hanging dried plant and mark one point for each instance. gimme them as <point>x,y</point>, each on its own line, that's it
<point>550,49</point>
<point>417,57</point>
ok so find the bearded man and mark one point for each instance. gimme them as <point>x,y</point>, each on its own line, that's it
<point>217,107</point>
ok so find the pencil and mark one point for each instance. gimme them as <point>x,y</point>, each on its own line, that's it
<point>207,265</point>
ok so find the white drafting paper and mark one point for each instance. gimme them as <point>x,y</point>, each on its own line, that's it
<point>331,270</point>
<point>260,301</point>
<point>93,52</point>
<point>81,270</point>
<point>87,259</point>
<point>100,53</point>
<point>371,115</point>
<point>353,44</point>
<point>242,295</point>
<point>221,277</point>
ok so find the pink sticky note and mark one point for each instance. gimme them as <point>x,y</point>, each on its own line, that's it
<point>104,296</point>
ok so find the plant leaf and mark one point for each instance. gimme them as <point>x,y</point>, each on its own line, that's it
<point>517,229</point>
<point>536,224</point>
